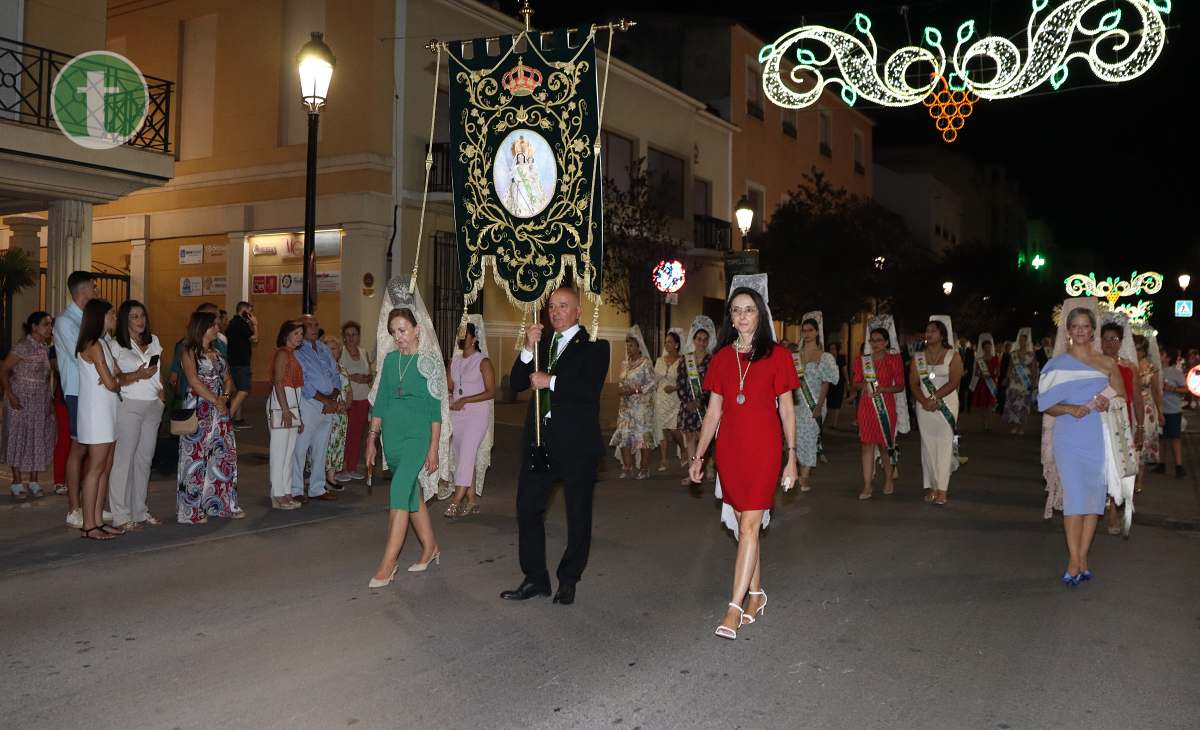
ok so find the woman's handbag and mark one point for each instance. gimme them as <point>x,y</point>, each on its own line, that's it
<point>275,413</point>
<point>183,420</point>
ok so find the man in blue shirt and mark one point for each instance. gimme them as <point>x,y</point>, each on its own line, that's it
<point>1174,385</point>
<point>320,399</point>
<point>81,286</point>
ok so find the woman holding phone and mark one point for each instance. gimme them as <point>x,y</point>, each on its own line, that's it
<point>139,414</point>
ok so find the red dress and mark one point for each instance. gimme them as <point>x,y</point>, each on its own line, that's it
<point>982,397</point>
<point>889,373</point>
<point>749,452</point>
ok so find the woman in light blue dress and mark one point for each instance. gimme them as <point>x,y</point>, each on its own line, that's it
<point>1074,388</point>
<point>819,370</point>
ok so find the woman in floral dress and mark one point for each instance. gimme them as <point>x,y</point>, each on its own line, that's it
<point>1151,384</point>
<point>335,454</point>
<point>820,373</point>
<point>30,428</point>
<point>1022,382</point>
<point>692,398</point>
<point>635,419</point>
<point>208,457</point>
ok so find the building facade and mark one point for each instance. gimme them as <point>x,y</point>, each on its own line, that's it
<point>226,224</point>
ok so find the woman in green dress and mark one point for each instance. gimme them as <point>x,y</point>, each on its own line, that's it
<point>409,416</point>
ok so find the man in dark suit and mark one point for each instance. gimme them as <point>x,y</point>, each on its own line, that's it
<point>568,384</point>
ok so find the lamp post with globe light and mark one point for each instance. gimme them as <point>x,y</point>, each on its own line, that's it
<point>315,66</point>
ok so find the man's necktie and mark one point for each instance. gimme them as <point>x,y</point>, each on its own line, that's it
<point>544,393</point>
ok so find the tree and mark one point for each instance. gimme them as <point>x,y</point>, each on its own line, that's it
<point>17,272</point>
<point>835,252</point>
<point>636,237</point>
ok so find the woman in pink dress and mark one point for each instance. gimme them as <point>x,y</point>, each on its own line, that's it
<point>25,377</point>
<point>472,387</point>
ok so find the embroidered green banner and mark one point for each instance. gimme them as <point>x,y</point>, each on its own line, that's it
<point>524,131</point>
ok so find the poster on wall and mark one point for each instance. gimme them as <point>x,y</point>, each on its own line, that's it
<point>214,252</point>
<point>265,284</point>
<point>292,283</point>
<point>329,281</point>
<point>192,253</point>
<point>191,286</point>
<point>214,285</point>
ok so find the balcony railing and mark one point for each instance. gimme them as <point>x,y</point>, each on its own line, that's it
<point>27,74</point>
<point>439,175</point>
<point>712,233</point>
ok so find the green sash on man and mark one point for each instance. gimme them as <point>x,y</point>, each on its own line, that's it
<point>544,393</point>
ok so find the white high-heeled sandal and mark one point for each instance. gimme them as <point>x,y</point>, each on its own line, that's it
<point>763,608</point>
<point>727,633</point>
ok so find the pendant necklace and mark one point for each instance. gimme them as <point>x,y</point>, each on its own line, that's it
<point>741,396</point>
<point>403,370</point>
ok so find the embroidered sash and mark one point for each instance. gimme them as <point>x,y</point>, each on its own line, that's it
<point>1022,371</point>
<point>693,381</point>
<point>926,374</point>
<point>986,375</point>
<point>806,392</point>
<point>880,408</point>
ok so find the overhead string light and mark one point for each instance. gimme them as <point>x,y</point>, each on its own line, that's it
<point>852,63</point>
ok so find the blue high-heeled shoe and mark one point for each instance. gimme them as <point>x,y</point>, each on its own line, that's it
<point>1085,575</point>
<point>1069,580</point>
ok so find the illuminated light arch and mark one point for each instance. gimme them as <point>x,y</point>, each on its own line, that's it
<point>1112,289</point>
<point>852,64</point>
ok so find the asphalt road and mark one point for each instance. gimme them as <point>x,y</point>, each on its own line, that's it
<point>884,614</point>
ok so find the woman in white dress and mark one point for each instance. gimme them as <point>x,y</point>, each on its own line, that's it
<point>934,377</point>
<point>666,400</point>
<point>97,424</point>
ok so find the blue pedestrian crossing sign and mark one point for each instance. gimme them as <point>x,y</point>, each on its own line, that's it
<point>1183,307</point>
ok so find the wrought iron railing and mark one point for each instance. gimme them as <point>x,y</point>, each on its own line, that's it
<point>113,283</point>
<point>27,74</point>
<point>439,176</point>
<point>712,233</point>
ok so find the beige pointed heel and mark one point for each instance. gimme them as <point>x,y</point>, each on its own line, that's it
<point>422,567</point>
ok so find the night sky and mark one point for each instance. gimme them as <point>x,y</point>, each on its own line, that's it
<point>1109,166</point>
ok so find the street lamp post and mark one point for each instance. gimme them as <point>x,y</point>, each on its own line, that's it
<point>947,287</point>
<point>315,65</point>
<point>744,213</point>
<point>1184,280</point>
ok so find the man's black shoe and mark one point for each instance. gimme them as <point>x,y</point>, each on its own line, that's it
<point>524,592</point>
<point>1180,473</point>
<point>565,594</point>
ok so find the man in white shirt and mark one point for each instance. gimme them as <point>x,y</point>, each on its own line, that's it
<point>81,285</point>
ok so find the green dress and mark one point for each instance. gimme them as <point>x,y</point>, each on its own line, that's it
<point>407,411</point>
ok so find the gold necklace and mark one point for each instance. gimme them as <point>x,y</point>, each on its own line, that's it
<point>741,396</point>
<point>404,369</point>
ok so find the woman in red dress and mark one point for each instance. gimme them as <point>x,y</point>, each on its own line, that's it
<point>746,377</point>
<point>982,396</point>
<point>887,380</point>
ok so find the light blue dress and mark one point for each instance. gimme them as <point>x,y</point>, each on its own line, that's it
<point>1079,453</point>
<point>808,429</point>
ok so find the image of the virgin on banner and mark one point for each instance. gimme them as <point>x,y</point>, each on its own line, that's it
<point>524,130</point>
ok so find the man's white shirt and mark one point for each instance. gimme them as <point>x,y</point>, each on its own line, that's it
<point>567,335</point>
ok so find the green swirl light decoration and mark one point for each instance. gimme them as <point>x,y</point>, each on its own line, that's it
<point>852,63</point>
